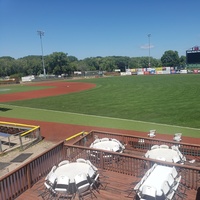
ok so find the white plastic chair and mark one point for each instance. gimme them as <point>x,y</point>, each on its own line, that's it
<point>164,146</point>
<point>115,140</point>
<point>96,141</point>
<point>81,160</point>
<point>155,147</point>
<point>170,180</point>
<point>62,186</point>
<point>82,185</point>
<point>141,141</point>
<point>174,172</point>
<point>178,134</point>
<point>137,186</point>
<point>153,167</point>
<point>135,189</point>
<point>148,191</point>
<point>64,162</point>
<point>167,191</point>
<point>165,188</point>
<point>51,172</point>
<point>175,148</point>
<point>152,133</point>
<point>89,163</point>
<point>176,159</point>
<point>91,172</point>
<point>49,191</point>
<point>147,154</point>
<point>177,137</point>
<point>51,179</point>
<point>104,139</point>
<point>170,195</point>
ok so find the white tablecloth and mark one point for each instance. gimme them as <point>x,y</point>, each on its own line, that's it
<point>107,145</point>
<point>74,168</point>
<point>157,177</point>
<point>167,154</point>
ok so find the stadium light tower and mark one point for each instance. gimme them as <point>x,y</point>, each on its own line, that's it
<point>41,33</point>
<point>149,36</point>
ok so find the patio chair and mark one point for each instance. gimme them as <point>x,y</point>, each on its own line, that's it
<point>89,163</point>
<point>152,133</point>
<point>164,146</point>
<point>176,159</point>
<point>134,189</point>
<point>179,189</point>
<point>51,172</point>
<point>170,195</point>
<point>62,185</point>
<point>174,172</point>
<point>83,186</point>
<point>115,140</point>
<point>52,180</point>
<point>64,162</point>
<point>94,183</point>
<point>148,192</point>
<point>105,139</point>
<point>148,172</point>
<point>102,181</point>
<point>182,186</point>
<point>48,192</point>
<point>166,191</point>
<point>174,147</point>
<point>96,141</point>
<point>141,141</point>
<point>155,147</point>
<point>178,134</point>
<point>91,172</point>
<point>81,160</point>
<point>177,138</point>
<point>147,154</point>
<point>154,166</point>
<point>170,180</point>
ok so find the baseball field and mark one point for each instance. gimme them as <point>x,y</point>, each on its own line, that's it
<point>129,104</point>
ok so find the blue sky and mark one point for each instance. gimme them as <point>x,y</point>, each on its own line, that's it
<point>90,28</point>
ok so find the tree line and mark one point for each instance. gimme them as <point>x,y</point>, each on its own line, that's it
<point>59,63</point>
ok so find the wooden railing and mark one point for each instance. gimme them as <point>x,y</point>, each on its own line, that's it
<point>24,177</point>
<point>129,164</point>
<point>140,143</point>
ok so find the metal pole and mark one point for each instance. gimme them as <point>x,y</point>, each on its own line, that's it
<point>41,33</point>
<point>149,35</point>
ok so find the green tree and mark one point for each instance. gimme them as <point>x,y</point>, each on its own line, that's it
<point>170,58</point>
<point>57,63</point>
<point>183,61</point>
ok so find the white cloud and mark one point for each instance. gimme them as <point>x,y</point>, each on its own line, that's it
<point>146,46</point>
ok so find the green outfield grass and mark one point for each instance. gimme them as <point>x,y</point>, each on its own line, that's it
<point>167,103</point>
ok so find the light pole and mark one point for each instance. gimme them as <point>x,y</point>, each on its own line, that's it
<point>149,36</point>
<point>41,33</point>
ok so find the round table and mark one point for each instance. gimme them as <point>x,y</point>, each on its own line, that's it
<point>74,168</point>
<point>63,178</point>
<point>168,155</point>
<point>110,145</point>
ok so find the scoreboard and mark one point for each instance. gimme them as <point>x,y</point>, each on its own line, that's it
<point>193,55</point>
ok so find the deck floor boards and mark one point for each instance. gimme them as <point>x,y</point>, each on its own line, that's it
<point>118,187</point>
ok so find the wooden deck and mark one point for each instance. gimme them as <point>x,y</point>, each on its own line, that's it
<point>27,181</point>
<point>118,187</point>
